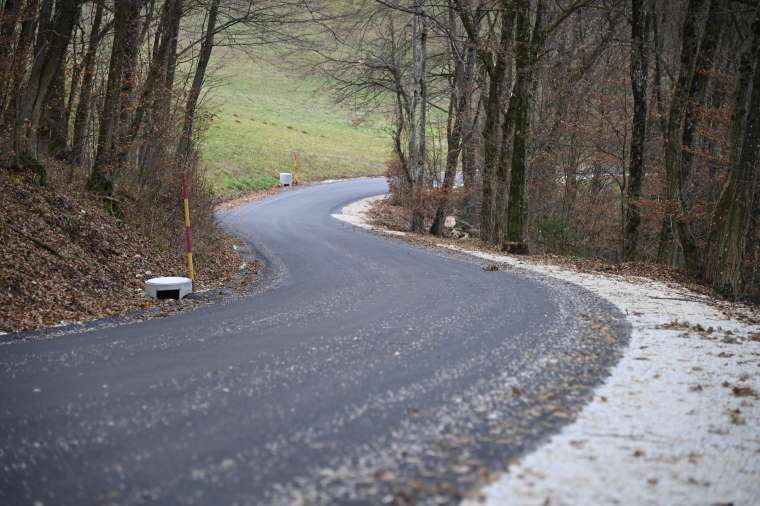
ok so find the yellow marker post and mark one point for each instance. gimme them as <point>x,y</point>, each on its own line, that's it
<point>188,228</point>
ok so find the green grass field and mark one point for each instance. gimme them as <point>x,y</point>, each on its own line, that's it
<point>262,114</point>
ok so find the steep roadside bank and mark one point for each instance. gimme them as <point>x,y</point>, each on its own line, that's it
<point>65,260</point>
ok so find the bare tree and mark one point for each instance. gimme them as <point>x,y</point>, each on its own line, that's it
<point>636,170</point>
<point>47,63</point>
<point>114,118</point>
<point>733,211</point>
<point>675,133</point>
<point>82,114</point>
<point>459,127</point>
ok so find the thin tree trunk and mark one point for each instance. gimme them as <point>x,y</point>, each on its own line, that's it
<point>471,142</point>
<point>666,247</point>
<point>418,216</point>
<point>207,46</point>
<point>525,62</point>
<point>698,91</point>
<point>169,28</point>
<point>654,21</point>
<point>412,116</point>
<point>459,108</point>
<point>491,139</point>
<point>56,125</point>
<point>675,133</point>
<point>85,94</point>
<point>10,14</point>
<point>125,144</point>
<point>156,96</point>
<point>502,179</point>
<point>44,25</point>
<point>636,171</point>
<point>51,124</point>
<point>76,77</point>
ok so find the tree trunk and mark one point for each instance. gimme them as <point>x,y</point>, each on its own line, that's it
<point>10,13</point>
<point>402,101</point>
<point>752,251</point>
<point>501,197</point>
<point>51,137</point>
<point>698,91</point>
<point>169,29</point>
<point>156,96</point>
<point>666,248</point>
<point>118,89</point>
<point>19,61</point>
<point>459,108</point>
<point>675,133</point>
<point>471,143</point>
<point>412,115</point>
<point>46,65</point>
<point>82,114</point>
<point>526,57</point>
<point>76,77</point>
<point>418,215</point>
<point>44,26</point>
<point>420,158</point>
<point>491,140</point>
<point>186,140</point>
<point>733,212</point>
<point>55,123</point>
<point>639,78</point>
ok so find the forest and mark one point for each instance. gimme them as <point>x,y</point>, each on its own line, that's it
<point>624,130</point>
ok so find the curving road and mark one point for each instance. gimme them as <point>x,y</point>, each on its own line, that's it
<point>365,370</point>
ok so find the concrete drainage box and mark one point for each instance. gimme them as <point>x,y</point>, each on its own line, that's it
<point>286,179</point>
<point>168,287</point>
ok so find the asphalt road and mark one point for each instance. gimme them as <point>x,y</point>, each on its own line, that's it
<point>364,370</point>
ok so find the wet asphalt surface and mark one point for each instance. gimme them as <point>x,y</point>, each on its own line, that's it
<point>363,370</point>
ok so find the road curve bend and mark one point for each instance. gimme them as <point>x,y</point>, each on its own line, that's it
<point>364,370</point>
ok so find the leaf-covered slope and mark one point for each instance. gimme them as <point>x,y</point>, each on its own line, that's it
<point>63,258</point>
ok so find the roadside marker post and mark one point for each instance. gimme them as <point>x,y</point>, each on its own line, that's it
<point>188,227</point>
<point>296,166</point>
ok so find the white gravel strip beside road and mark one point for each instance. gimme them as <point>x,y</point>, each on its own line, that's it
<point>355,213</point>
<point>676,422</point>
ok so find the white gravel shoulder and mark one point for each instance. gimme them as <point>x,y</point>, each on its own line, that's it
<point>355,213</point>
<point>676,422</point>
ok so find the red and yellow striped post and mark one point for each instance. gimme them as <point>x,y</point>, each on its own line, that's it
<point>188,227</point>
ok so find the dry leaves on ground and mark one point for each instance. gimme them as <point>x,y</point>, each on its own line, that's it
<point>64,259</point>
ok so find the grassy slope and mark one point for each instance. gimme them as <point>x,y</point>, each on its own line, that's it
<point>262,115</point>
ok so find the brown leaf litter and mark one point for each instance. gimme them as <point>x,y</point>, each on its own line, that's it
<point>64,259</point>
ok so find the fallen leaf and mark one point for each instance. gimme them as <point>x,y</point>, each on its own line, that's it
<point>744,392</point>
